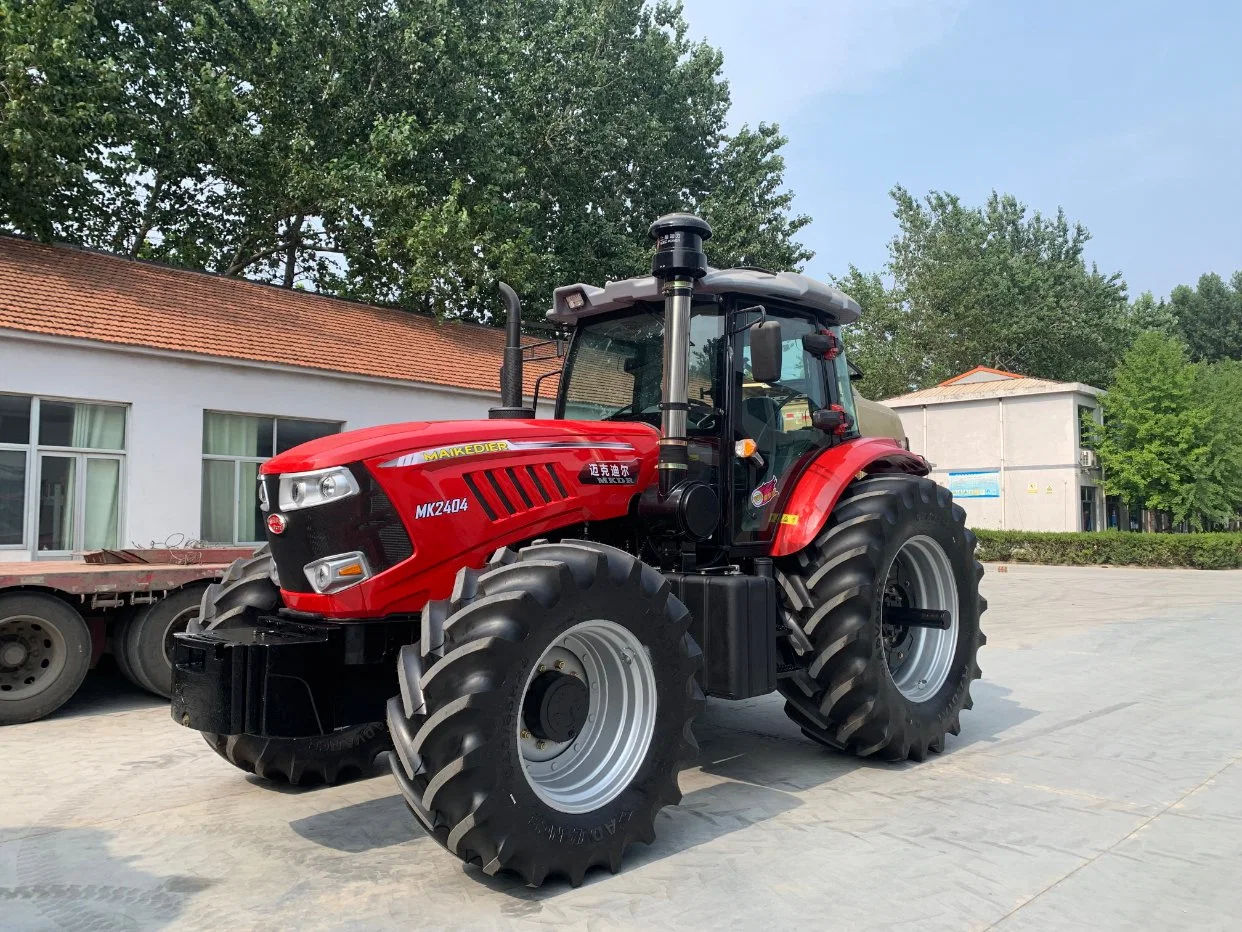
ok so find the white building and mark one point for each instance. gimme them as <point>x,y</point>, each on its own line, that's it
<point>137,400</point>
<point>1010,448</point>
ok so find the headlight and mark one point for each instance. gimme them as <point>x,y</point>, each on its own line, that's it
<point>307,489</point>
<point>332,574</point>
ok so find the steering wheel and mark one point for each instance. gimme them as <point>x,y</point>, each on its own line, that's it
<point>707,420</point>
<point>709,415</point>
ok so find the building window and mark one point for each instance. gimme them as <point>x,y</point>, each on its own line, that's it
<point>1086,427</point>
<point>61,466</point>
<point>234,446</point>
<point>1088,508</point>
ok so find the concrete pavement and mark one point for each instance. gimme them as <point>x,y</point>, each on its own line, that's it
<point>1095,785</point>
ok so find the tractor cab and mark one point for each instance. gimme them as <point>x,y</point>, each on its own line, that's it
<point>767,380</point>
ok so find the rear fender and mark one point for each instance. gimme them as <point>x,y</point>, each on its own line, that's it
<point>816,491</point>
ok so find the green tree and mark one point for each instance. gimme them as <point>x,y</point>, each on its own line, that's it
<point>1210,317</point>
<point>1219,386</point>
<point>59,100</point>
<point>394,152</point>
<point>884,342</point>
<point>749,207</point>
<point>999,287</point>
<point>1168,442</point>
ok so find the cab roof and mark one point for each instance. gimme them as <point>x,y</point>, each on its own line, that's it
<point>834,306</point>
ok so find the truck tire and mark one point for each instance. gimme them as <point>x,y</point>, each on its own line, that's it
<point>245,592</point>
<point>546,710</point>
<point>869,686</point>
<point>143,642</point>
<point>45,651</point>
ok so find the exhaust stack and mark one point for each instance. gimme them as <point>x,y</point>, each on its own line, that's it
<point>511,370</point>
<point>678,261</point>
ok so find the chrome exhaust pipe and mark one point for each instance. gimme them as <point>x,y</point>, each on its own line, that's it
<point>678,262</point>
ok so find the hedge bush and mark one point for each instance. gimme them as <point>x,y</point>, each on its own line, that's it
<point>1118,548</point>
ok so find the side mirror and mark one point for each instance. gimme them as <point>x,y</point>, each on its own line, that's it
<point>765,351</point>
<point>856,374</point>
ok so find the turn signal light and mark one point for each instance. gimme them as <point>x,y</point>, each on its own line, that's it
<point>332,574</point>
<point>745,449</point>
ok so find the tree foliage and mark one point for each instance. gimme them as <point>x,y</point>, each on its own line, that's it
<point>995,285</point>
<point>398,152</point>
<point>1210,316</point>
<point>1172,434</point>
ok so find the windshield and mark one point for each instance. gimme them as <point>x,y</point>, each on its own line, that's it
<point>615,366</point>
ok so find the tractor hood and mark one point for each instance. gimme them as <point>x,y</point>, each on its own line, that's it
<point>426,499</point>
<point>430,441</point>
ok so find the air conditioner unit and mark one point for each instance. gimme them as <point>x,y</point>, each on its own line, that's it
<point>1086,458</point>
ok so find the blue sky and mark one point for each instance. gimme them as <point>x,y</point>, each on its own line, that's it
<point>1127,114</point>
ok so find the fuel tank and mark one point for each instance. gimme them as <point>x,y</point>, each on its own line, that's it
<point>437,496</point>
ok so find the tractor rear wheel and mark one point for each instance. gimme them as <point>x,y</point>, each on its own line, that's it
<point>546,709</point>
<point>895,549</point>
<point>246,592</point>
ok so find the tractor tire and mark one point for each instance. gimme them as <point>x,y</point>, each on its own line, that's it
<point>142,643</point>
<point>45,651</point>
<point>869,686</point>
<point>546,710</point>
<point>245,592</point>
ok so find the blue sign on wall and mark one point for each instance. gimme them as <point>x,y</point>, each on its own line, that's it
<point>976,484</point>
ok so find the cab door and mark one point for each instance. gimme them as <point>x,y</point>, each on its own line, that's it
<point>777,417</point>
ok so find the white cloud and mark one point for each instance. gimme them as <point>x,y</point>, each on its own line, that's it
<point>783,53</point>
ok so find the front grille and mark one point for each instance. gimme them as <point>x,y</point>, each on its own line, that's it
<point>366,522</point>
<point>509,491</point>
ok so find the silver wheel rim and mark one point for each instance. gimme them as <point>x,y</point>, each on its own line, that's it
<point>32,655</point>
<point>920,659</point>
<point>593,768</point>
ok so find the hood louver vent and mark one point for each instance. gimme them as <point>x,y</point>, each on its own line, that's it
<point>511,491</point>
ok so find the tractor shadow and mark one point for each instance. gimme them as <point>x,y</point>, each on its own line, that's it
<point>758,764</point>
<point>366,826</point>
<point>763,761</point>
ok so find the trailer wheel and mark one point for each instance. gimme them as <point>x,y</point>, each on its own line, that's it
<point>45,651</point>
<point>143,643</point>
<point>545,712</point>
<point>894,546</point>
<point>245,591</point>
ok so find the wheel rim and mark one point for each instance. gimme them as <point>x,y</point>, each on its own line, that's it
<point>32,656</point>
<point>920,659</point>
<point>594,767</point>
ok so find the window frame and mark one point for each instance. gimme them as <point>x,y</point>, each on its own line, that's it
<point>34,451</point>
<point>237,462</point>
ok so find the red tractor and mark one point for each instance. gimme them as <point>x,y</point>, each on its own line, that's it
<point>529,612</point>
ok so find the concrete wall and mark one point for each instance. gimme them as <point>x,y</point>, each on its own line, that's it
<point>1030,440</point>
<point>167,394</point>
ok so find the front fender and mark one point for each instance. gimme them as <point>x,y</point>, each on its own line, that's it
<point>819,486</point>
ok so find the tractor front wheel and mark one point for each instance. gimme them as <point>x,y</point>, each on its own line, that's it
<point>546,710</point>
<point>245,593</point>
<point>888,597</point>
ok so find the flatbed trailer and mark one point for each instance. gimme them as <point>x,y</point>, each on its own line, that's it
<point>58,617</point>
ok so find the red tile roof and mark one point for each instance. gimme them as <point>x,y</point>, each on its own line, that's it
<point>90,295</point>
<point>978,369</point>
